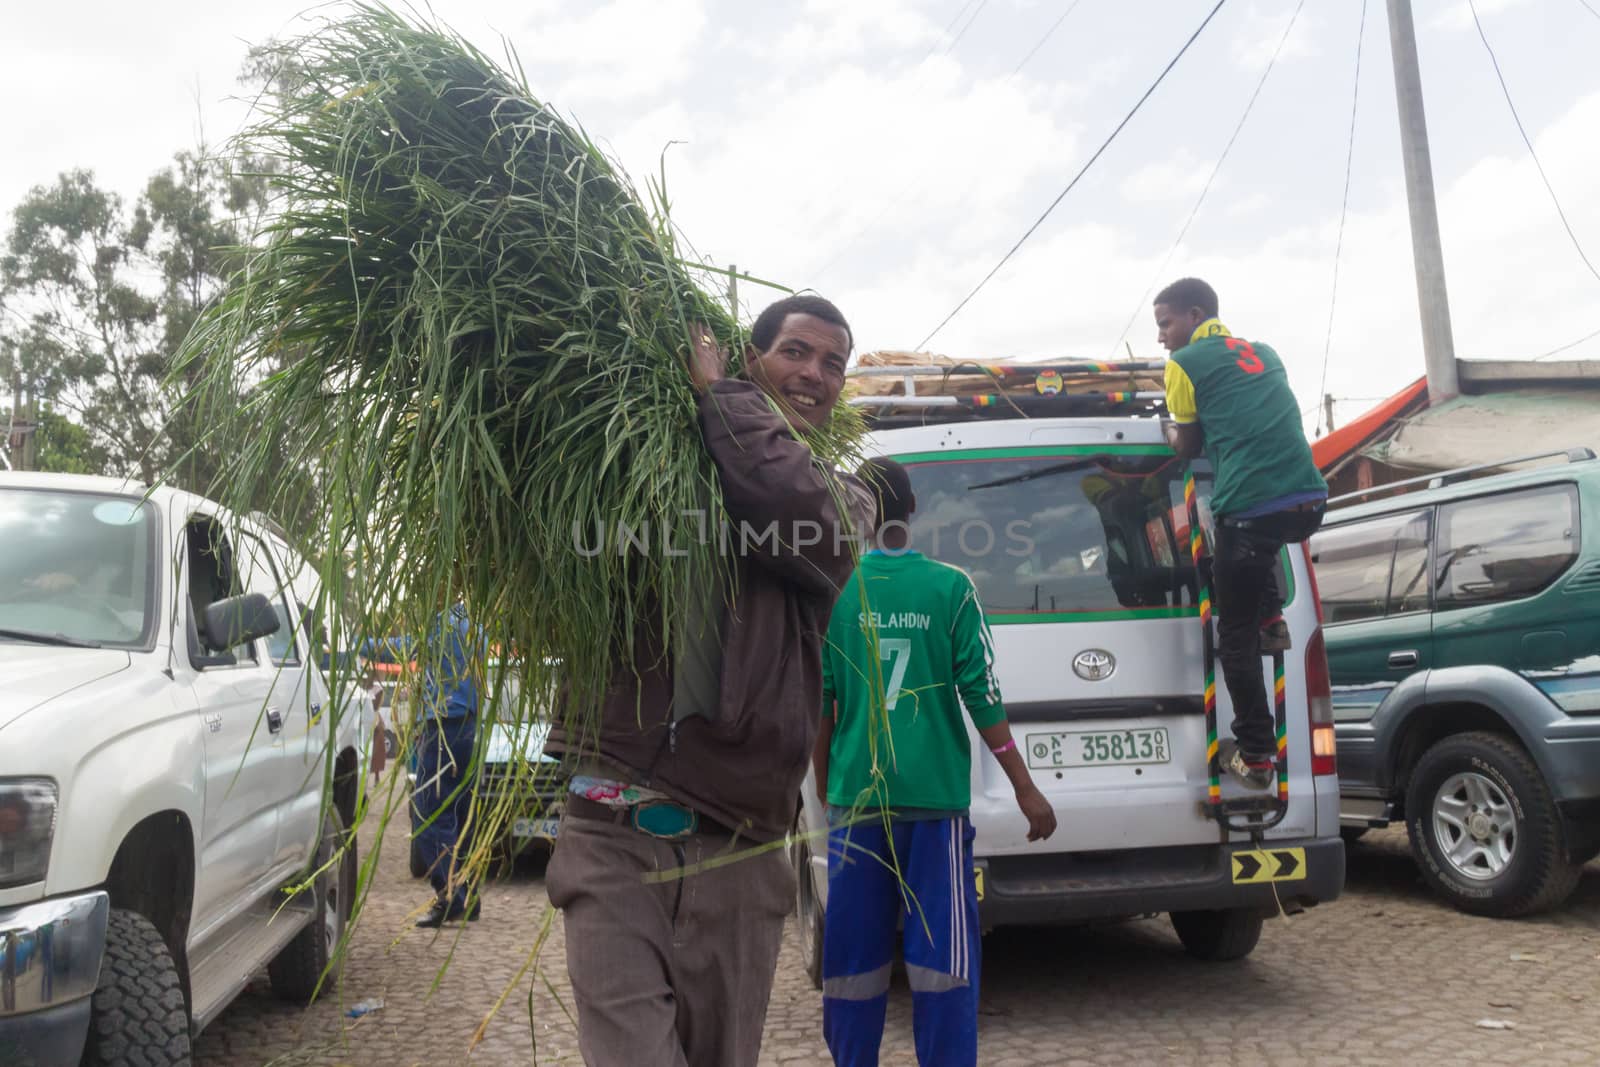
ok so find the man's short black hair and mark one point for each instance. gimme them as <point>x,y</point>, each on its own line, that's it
<point>770,321</point>
<point>1186,293</point>
<point>891,488</point>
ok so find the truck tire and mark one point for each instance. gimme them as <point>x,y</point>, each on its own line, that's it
<point>1218,936</point>
<point>1484,828</point>
<point>298,968</point>
<point>137,1016</point>
<point>808,910</point>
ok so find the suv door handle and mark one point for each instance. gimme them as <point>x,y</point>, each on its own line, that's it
<point>1407,658</point>
<point>275,719</point>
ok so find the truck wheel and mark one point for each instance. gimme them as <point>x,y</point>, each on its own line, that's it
<point>808,910</point>
<point>137,1013</point>
<point>297,969</point>
<point>1484,828</point>
<point>1216,936</point>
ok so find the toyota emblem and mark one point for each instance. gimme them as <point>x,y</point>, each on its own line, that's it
<point>1094,664</point>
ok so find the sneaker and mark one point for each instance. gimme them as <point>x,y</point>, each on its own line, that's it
<point>1255,772</point>
<point>1275,636</point>
<point>442,913</point>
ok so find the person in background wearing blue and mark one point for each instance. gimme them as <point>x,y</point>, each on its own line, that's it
<point>452,661</point>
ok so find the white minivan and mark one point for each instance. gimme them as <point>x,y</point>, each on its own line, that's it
<point>1075,532</point>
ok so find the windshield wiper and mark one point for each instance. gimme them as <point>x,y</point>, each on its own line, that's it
<point>37,638</point>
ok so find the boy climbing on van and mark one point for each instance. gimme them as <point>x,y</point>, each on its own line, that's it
<point>906,648</point>
<point>1230,399</point>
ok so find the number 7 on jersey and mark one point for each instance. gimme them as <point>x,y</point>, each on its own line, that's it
<point>897,650</point>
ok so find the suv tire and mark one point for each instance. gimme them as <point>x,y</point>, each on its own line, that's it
<point>1462,791</point>
<point>808,910</point>
<point>138,1016</point>
<point>297,969</point>
<point>1218,936</point>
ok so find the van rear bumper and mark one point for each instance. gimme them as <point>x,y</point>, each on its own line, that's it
<point>1069,887</point>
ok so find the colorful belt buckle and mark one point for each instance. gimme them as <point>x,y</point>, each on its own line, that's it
<point>665,820</point>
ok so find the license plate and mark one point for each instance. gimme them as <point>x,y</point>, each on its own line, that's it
<point>1099,748</point>
<point>542,827</point>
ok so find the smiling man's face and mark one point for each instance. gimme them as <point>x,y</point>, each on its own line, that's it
<point>804,368</point>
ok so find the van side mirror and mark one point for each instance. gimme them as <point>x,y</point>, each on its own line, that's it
<point>239,619</point>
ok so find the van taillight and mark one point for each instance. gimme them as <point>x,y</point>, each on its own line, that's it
<point>1319,707</point>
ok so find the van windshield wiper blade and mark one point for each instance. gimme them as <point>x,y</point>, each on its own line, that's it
<point>37,638</point>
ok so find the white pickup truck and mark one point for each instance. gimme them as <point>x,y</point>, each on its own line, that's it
<point>170,762</point>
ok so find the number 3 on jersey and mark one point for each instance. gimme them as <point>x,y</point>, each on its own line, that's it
<point>1248,361</point>
<point>897,650</point>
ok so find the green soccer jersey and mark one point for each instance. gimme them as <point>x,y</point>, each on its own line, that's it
<point>908,638</point>
<point>1239,393</point>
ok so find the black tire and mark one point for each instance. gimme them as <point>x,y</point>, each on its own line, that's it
<point>1218,936</point>
<point>137,1014</point>
<point>1352,834</point>
<point>808,910</point>
<point>1537,874</point>
<point>298,968</point>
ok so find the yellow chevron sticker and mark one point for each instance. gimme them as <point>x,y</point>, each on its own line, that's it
<point>1269,865</point>
<point>978,877</point>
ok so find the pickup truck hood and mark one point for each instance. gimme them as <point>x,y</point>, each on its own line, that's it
<point>31,675</point>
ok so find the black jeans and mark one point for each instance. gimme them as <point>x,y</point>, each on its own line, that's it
<point>1247,594</point>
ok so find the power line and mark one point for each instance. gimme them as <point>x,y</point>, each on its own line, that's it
<point>968,26</point>
<point>1056,25</point>
<point>884,210</point>
<point>1183,232</point>
<point>1344,207</point>
<point>1077,177</point>
<point>1592,11</point>
<point>1569,344</point>
<point>1518,120</point>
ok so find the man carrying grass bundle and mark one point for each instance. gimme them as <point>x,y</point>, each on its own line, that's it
<point>667,871</point>
<point>898,783</point>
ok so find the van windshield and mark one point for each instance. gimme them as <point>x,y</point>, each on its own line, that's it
<point>76,568</point>
<point>1049,532</point>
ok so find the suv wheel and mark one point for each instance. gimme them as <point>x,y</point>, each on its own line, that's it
<point>1216,936</point>
<point>297,970</point>
<point>1485,830</point>
<point>808,910</point>
<point>137,1013</point>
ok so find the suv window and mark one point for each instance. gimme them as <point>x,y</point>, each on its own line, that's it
<point>1059,533</point>
<point>1373,568</point>
<point>1507,546</point>
<point>212,577</point>
<point>261,575</point>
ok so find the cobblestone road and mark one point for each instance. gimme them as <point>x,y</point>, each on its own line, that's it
<point>1387,974</point>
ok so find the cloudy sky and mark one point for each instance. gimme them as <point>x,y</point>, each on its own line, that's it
<point>887,153</point>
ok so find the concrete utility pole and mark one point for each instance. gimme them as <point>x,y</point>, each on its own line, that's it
<point>1327,410</point>
<point>1438,346</point>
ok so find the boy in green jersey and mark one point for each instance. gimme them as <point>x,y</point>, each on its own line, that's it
<point>906,647</point>
<point>1230,398</point>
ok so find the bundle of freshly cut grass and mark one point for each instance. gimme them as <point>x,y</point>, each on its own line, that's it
<point>479,334</point>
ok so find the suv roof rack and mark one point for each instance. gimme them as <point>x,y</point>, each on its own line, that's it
<point>1578,454</point>
<point>911,408</point>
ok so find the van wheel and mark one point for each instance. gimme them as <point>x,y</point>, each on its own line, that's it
<point>808,910</point>
<point>1485,830</point>
<point>297,970</point>
<point>1216,936</point>
<point>137,1013</point>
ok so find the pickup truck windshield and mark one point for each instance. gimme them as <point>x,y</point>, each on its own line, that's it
<point>1065,535</point>
<point>76,566</point>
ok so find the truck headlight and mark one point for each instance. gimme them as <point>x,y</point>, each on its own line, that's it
<point>27,823</point>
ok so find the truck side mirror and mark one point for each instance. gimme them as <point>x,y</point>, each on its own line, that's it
<point>239,619</point>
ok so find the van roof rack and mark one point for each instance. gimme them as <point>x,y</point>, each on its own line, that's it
<point>1037,390</point>
<point>1578,454</point>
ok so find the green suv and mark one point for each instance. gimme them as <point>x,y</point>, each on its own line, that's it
<point>1463,635</point>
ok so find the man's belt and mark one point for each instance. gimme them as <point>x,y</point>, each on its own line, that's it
<point>665,820</point>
